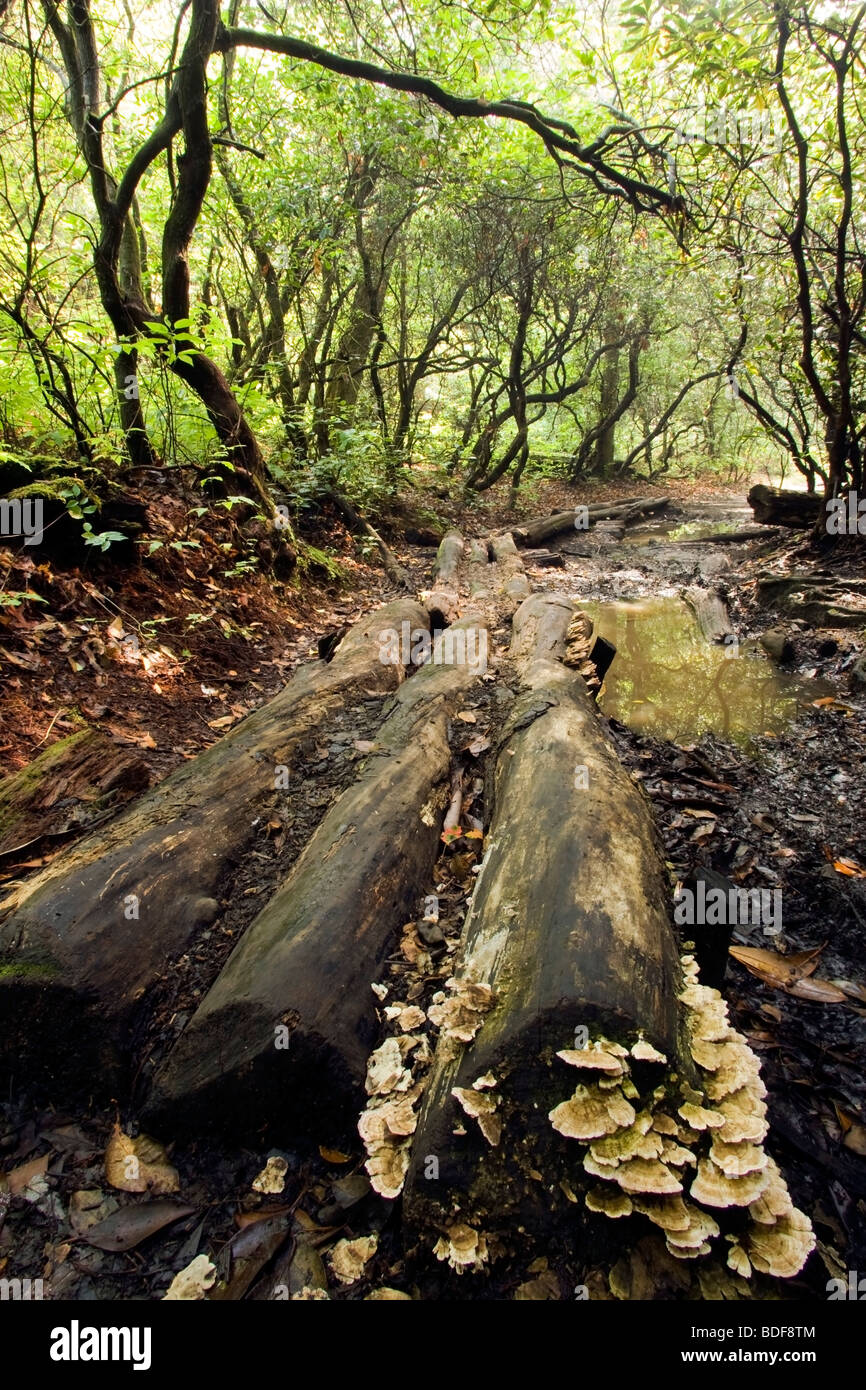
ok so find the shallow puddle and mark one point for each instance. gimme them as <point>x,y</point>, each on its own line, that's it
<point>664,530</point>
<point>667,681</point>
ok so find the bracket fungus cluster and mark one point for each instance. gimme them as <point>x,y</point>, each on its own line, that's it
<point>390,1120</point>
<point>461,1015</point>
<point>684,1154</point>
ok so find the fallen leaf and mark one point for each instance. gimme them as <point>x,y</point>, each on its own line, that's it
<point>21,1177</point>
<point>467,716</point>
<point>855,1139</point>
<point>477,745</point>
<point>819,991</point>
<point>333,1155</point>
<point>779,971</point>
<point>129,1226</point>
<point>849,868</point>
<point>251,1218</point>
<point>139,1165</point>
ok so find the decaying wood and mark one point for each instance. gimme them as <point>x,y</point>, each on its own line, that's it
<point>307,962</point>
<point>85,939</point>
<point>444,594</point>
<point>76,781</point>
<point>532,533</point>
<point>568,928</point>
<point>778,644</point>
<point>544,559</point>
<point>481,579</point>
<point>784,507</point>
<point>711,613</point>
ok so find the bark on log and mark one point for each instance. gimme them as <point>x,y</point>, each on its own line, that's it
<point>443,599</point>
<point>83,941</point>
<point>481,579</point>
<point>307,962</point>
<point>76,781</point>
<point>782,507</point>
<point>568,928</point>
<point>532,533</point>
<point>710,612</point>
<point>544,559</point>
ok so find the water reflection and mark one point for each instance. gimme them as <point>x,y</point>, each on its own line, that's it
<point>666,680</point>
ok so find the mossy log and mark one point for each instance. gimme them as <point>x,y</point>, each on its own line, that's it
<point>285,1032</point>
<point>568,929</point>
<point>77,780</point>
<point>83,941</point>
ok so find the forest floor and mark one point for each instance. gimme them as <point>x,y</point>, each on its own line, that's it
<point>166,655</point>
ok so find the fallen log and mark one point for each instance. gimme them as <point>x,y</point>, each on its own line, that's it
<point>567,971</point>
<point>568,929</point>
<point>532,533</point>
<point>778,644</point>
<point>784,507</point>
<point>482,579</point>
<point>83,941</point>
<point>394,570</point>
<point>78,780</point>
<point>304,969</point>
<point>544,559</point>
<point>443,598</point>
<point>710,612</point>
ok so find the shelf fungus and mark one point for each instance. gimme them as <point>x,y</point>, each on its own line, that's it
<point>645,1052</point>
<point>690,1149</point>
<point>609,1201</point>
<point>591,1113</point>
<point>591,1058</point>
<point>461,1016</point>
<point>481,1106</point>
<point>390,1120</point>
<point>463,1247</point>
